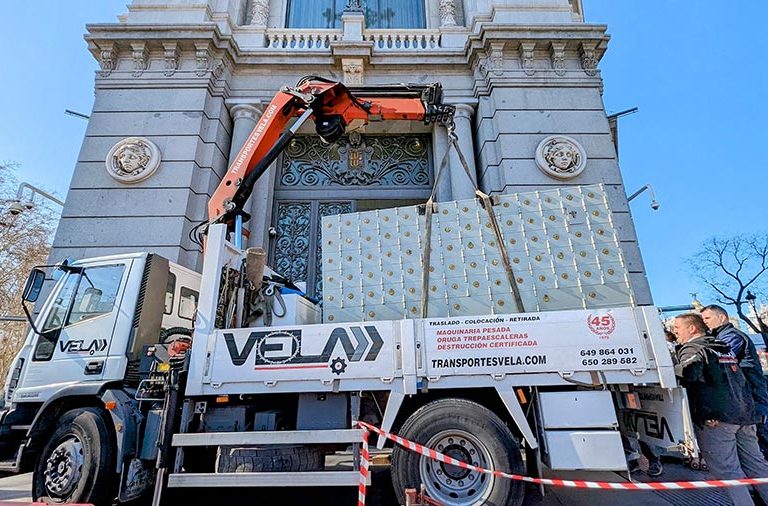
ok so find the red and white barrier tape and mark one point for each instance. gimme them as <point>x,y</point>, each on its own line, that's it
<point>659,485</point>
<point>364,459</point>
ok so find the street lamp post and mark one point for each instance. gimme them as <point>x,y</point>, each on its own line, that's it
<point>654,203</point>
<point>750,297</point>
<point>19,205</point>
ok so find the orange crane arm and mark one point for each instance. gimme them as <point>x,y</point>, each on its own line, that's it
<point>333,107</point>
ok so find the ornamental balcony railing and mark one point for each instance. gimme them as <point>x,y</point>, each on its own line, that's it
<point>401,40</point>
<point>318,39</point>
<point>306,39</point>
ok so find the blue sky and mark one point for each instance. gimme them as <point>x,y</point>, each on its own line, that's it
<point>695,69</point>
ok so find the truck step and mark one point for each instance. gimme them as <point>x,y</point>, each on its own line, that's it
<point>292,437</point>
<point>8,465</point>
<point>291,479</point>
<point>14,463</point>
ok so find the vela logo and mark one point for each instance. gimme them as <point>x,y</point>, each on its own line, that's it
<point>648,422</point>
<point>278,349</point>
<point>79,346</point>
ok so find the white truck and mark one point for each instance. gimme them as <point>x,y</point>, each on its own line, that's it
<point>101,404</point>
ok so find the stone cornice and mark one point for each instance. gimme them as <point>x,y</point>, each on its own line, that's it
<point>539,55</point>
<point>122,35</point>
<point>572,34</point>
<point>491,43</point>
<point>352,49</point>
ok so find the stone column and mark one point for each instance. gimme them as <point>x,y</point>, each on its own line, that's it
<point>460,186</point>
<point>439,145</point>
<point>244,119</point>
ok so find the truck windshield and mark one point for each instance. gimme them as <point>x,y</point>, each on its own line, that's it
<point>85,295</point>
<point>61,304</point>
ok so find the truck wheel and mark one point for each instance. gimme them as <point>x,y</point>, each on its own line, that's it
<point>465,431</point>
<point>270,460</point>
<point>77,464</point>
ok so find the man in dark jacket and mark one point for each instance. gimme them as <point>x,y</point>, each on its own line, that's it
<point>743,348</point>
<point>721,405</point>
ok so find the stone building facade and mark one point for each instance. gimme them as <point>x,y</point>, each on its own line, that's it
<point>181,84</point>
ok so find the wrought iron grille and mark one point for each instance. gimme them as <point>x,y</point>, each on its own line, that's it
<point>298,235</point>
<point>292,244</point>
<point>393,160</point>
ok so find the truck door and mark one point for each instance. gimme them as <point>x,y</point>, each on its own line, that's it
<point>76,331</point>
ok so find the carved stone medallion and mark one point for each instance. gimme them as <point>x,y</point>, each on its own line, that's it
<point>561,157</point>
<point>133,159</point>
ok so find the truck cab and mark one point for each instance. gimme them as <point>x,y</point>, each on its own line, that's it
<point>88,336</point>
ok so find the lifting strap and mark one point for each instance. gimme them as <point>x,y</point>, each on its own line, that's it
<point>486,202</point>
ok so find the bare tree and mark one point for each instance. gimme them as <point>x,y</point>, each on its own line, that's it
<point>25,241</point>
<point>731,266</point>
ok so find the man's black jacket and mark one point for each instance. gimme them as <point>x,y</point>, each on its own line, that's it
<point>717,388</point>
<point>744,349</point>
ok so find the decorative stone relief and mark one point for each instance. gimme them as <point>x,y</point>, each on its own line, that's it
<point>496,58</point>
<point>558,57</point>
<point>107,60</point>
<point>202,59</point>
<point>493,60</point>
<point>482,63</point>
<point>171,58</point>
<point>259,12</point>
<point>140,58</point>
<point>527,62</point>
<point>217,69</point>
<point>447,13</point>
<point>561,157</point>
<point>354,71</point>
<point>589,59</point>
<point>133,159</point>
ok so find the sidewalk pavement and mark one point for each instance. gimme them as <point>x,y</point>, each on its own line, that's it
<point>17,488</point>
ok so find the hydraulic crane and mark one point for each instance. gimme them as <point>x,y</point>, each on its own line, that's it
<point>334,108</point>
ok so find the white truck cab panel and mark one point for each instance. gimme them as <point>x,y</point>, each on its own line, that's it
<point>83,328</point>
<point>90,320</point>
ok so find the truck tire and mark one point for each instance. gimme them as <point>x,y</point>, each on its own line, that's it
<point>77,465</point>
<point>465,431</point>
<point>269,460</point>
<point>174,331</point>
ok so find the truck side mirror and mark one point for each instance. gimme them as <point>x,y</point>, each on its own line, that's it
<point>34,285</point>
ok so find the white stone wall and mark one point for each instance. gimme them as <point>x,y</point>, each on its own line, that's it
<point>518,71</point>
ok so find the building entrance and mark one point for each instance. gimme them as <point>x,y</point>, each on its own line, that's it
<point>358,173</point>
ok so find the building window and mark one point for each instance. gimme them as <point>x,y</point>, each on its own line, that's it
<point>188,303</point>
<point>378,13</point>
<point>169,293</point>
